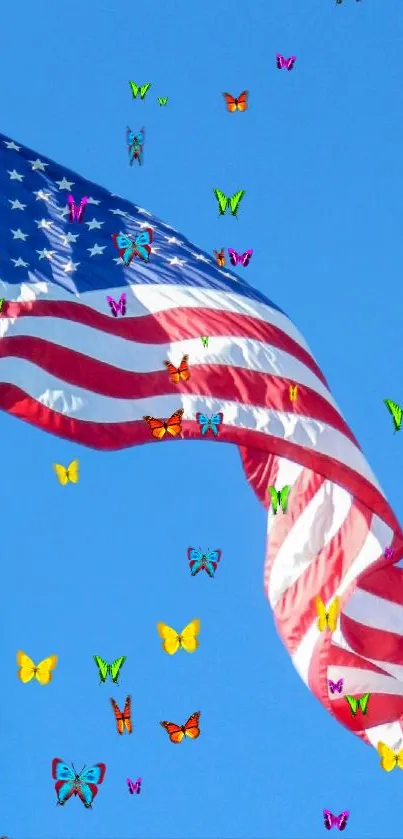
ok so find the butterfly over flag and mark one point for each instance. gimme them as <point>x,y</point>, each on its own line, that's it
<point>236,104</point>
<point>396,413</point>
<point>198,561</point>
<point>2,301</point>
<point>389,758</point>
<point>42,672</point>
<point>279,498</point>
<point>112,670</point>
<point>178,732</point>
<point>180,373</point>
<point>123,718</point>
<point>172,426</point>
<point>335,687</point>
<point>163,100</point>
<point>220,258</point>
<point>240,258</point>
<point>69,782</point>
<point>117,308</point>
<point>293,393</point>
<point>285,62</point>
<point>232,203</point>
<point>327,618</point>
<point>204,340</point>
<point>335,821</point>
<point>67,474</point>
<point>130,247</point>
<point>76,211</point>
<point>139,89</point>
<point>172,639</point>
<point>134,786</point>
<point>355,704</point>
<point>135,145</point>
<point>388,553</point>
<point>209,423</point>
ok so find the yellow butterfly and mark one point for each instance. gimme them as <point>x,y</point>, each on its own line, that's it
<point>389,758</point>
<point>327,619</point>
<point>187,638</point>
<point>65,475</point>
<point>41,671</point>
<point>293,393</point>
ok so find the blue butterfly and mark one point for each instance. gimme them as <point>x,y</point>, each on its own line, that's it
<point>135,145</point>
<point>129,248</point>
<point>207,562</point>
<point>69,783</point>
<point>209,423</point>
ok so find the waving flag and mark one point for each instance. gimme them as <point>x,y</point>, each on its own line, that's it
<point>70,368</point>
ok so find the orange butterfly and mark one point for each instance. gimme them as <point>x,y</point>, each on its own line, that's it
<point>239,104</point>
<point>178,732</point>
<point>178,373</point>
<point>172,426</point>
<point>220,257</point>
<point>123,720</point>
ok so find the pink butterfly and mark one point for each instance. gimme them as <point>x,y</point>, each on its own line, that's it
<point>335,686</point>
<point>134,787</point>
<point>117,307</point>
<point>76,212</point>
<point>389,553</point>
<point>285,62</point>
<point>335,821</point>
<point>244,258</point>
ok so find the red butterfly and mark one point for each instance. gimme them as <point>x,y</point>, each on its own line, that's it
<point>178,373</point>
<point>123,719</point>
<point>172,426</point>
<point>178,732</point>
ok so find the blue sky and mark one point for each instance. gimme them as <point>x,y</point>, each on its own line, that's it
<point>92,568</point>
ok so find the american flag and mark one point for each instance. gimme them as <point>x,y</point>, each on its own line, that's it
<point>71,369</point>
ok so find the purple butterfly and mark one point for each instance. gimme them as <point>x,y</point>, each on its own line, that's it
<point>76,211</point>
<point>285,62</point>
<point>335,821</point>
<point>134,786</point>
<point>335,686</point>
<point>389,553</point>
<point>243,258</point>
<point>117,307</point>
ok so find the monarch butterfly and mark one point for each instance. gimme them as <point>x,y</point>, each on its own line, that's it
<point>279,497</point>
<point>220,257</point>
<point>327,618</point>
<point>389,758</point>
<point>293,393</point>
<point>224,202</point>
<point>354,703</point>
<point>396,413</point>
<point>180,373</point>
<point>172,640</point>
<point>123,719</point>
<point>178,732</point>
<point>66,474</point>
<point>234,104</point>
<point>172,426</point>
<point>139,89</point>
<point>28,670</point>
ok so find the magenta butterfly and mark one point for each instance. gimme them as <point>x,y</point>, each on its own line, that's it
<point>389,553</point>
<point>119,307</point>
<point>76,211</point>
<point>285,62</point>
<point>335,687</point>
<point>134,787</point>
<point>244,258</point>
<point>335,821</point>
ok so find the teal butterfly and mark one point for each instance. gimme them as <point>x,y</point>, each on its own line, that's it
<point>396,412</point>
<point>224,202</point>
<point>163,100</point>
<point>111,670</point>
<point>139,89</point>
<point>279,497</point>
<point>354,703</point>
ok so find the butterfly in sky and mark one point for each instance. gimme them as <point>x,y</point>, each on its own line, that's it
<point>327,618</point>
<point>117,308</point>
<point>123,718</point>
<point>335,821</point>
<point>285,62</point>
<point>163,100</point>
<point>232,203</point>
<point>204,341</point>
<point>220,257</point>
<point>240,258</point>
<point>172,639</point>
<point>209,423</point>
<point>139,89</point>
<point>130,247</point>
<point>178,732</point>
<point>389,758</point>
<point>396,413</point>
<point>236,104</point>
<point>293,393</point>
<point>76,210</point>
<point>66,474</point>
<point>134,786</point>
<point>354,703</point>
<point>180,373</point>
<point>135,145</point>
<point>335,687</point>
<point>172,426</point>
<point>69,782</point>
<point>111,670</point>
<point>207,562</point>
<point>388,552</point>
<point>28,670</point>
<point>279,498</point>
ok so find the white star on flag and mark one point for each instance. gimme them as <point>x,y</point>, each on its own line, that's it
<point>16,205</point>
<point>44,224</point>
<point>14,175</point>
<point>19,263</point>
<point>70,266</point>
<point>94,224</point>
<point>18,234</point>
<point>41,195</point>
<point>64,184</point>
<point>11,145</point>
<point>96,249</point>
<point>38,164</point>
<point>45,254</point>
<point>70,237</point>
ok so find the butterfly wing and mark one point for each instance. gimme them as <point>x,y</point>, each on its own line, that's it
<point>333,614</point>
<point>396,413</point>
<point>87,793</point>
<point>399,759</point>
<point>341,820</point>
<point>175,732</point>
<point>189,640</point>
<point>61,473</point>
<point>203,421</point>
<point>230,102</point>
<point>142,244</point>
<point>113,306</point>
<point>64,790</point>
<point>339,685</point>
<point>223,201</point>
<point>191,727</point>
<point>44,669</point>
<point>195,558</point>
<point>290,62</point>
<point>73,474</point>
<point>130,785</point>
<point>156,426</point>
<point>213,424</point>
<point>125,246</point>
<point>143,89</point>
<point>174,423</point>
<point>118,716</point>
<point>94,774</point>
<point>321,613</point>
<point>171,640</point>
<point>211,561</point>
<point>328,819</point>
<point>388,756</point>
<point>235,201</point>
<point>242,101</point>
<point>115,667</point>
<point>363,702</point>
<point>233,256</point>
<point>103,667</point>
<point>284,493</point>
<point>353,703</point>
<point>280,61</point>
<point>274,499</point>
<point>134,88</point>
<point>27,667</point>
<point>127,715</point>
<point>246,258</point>
<point>331,685</point>
<point>204,341</point>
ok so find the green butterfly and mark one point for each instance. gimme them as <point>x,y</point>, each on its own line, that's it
<point>362,702</point>
<point>142,89</point>
<point>111,670</point>
<point>204,341</point>
<point>2,300</point>
<point>397,413</point>
<point>163,100</point>
<point>279,498</point>
<point>224,202</point>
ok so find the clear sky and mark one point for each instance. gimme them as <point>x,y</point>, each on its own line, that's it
<point>92,568</point>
